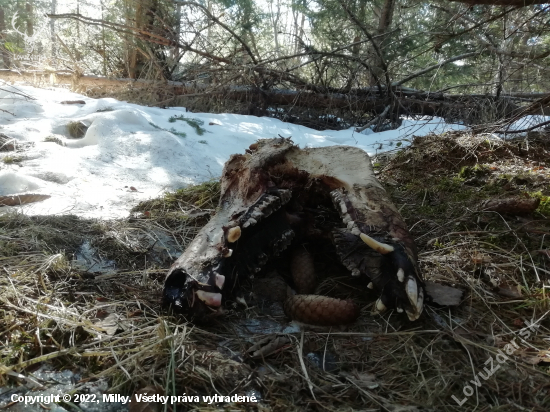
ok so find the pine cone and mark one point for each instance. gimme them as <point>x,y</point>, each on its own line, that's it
<point>320,310</point>
<point>303,272</point>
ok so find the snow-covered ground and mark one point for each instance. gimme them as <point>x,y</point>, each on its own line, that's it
<point>131,153</point>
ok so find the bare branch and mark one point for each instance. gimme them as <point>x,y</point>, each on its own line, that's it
<point>370,37</point>
<point>224,26</point>
<point>523,130</point>
<point>517,3</point>
<point>435,66</point>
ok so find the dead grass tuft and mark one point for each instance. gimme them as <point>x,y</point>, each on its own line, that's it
<point>76,129</point>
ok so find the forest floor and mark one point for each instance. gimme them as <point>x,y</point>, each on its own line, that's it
<point>85,295</point>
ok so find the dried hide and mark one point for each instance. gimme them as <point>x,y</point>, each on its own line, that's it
<point>270,198</point>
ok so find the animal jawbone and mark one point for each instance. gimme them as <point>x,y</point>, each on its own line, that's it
<point>269,200</point>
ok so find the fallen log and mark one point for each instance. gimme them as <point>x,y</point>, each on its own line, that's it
<point>406,101</point>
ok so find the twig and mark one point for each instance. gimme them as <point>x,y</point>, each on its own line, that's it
<point>523,130</point>
<point>378,118</point>
<point>300,356</point>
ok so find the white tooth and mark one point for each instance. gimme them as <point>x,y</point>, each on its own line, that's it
<point>246,224</point>
<point>343,207</point>
<point>355,272</point>
<point>376,245</point>
<point>412,316</point>
<point>211,299</point>
<point>370,285</point>
<point>355,231</point>
<point>220,280</point>
<point>412,291</point>
<point>351,223</point>
<point>401,275</point>
<point>420,302</point>
<point>346,219</point>
<point>380,307</point>
<point>399,310</point>
<point>252,221</point>
<point>228,253</point>
<point>233,234</point>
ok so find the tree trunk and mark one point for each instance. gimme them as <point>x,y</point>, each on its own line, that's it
<point>29,18</point>
<point>3,51</point>
<point>384,22</point>
<point>274,17</point>
<point>104,54</point>
<point>52,30</point>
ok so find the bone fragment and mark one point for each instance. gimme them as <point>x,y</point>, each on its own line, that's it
<point>210,298</point>
<point>380,307</point>
<point>220,280</point>
<point>412,291</point>
<point>401,275</point>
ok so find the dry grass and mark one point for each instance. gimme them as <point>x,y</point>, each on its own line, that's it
<point>76,129</point>
<point>111,323</point>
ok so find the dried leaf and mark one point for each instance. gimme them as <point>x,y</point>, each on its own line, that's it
<point>510,292</point>
<point>443,295</point>
<point>109,325</point>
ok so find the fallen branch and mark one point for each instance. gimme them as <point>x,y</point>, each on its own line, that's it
<point>378,118</point>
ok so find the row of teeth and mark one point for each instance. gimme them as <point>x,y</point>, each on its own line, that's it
<point>284,242</point>
<point>265,207</point>
<point>415,296</point>
<point>277,247</point>
<point>416,299</point>
<point>340,204</point>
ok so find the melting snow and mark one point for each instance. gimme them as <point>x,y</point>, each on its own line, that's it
<point>132,153</point>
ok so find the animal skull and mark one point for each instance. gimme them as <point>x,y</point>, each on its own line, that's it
<point>261,212</point>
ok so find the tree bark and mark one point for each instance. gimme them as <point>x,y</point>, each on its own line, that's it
<point>29,18</point>
<point>52,30</point>
<point>3,51</point>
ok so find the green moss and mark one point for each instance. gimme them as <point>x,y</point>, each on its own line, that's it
<point>194,123</point>
<point>172,130</point>
<point>544,207</point>
<point>176,133</point>
<point>478,170</point>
